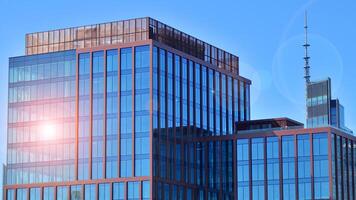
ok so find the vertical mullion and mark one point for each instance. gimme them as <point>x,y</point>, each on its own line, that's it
<point>119,112</point>
<point>336,167</point>
<point>133,110</point>
<point>238,100</point>
<point>173,159</point>
<point>41,192</point>
<point>166,110</point>
<point>181,119</point>
<point>233,105</point>
<point>220,104</point>
<point>234,164</point>
<point>140,189</point>
<point>111,190</point>
<point>265,167</point>
<point>280,167</point>
<point>90,116</point>
<point>76,117</point>
<point>54,193</point>
<point>105,115</point>
<point>312,164</point>
<point>342,169</point>
<point>151,119</point>
<point>250,167</point>
<point>330,168</point>
<point>295,165</point>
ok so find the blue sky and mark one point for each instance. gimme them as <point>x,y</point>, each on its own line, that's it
<point>266,35</point>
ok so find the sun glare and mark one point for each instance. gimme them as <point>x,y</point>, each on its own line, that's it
<point>48,131</point>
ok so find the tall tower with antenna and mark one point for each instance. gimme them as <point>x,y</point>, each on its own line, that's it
<point>306,56</point>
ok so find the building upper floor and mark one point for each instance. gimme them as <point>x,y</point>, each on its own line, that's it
<point>127,31</point>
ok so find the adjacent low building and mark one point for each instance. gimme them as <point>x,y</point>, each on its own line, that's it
<point>136,109</point>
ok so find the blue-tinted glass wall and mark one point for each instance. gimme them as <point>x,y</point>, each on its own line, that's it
<point>99,95</point>
<point>191,100</point>
<point>41,118</point>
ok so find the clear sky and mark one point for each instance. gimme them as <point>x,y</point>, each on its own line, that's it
<point>266,35</point>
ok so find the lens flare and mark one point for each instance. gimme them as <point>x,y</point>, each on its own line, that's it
<point>48,131</point>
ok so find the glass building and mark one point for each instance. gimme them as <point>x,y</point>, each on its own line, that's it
<point>136,109</point>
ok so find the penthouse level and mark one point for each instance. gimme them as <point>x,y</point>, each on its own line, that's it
<point>127,31</point>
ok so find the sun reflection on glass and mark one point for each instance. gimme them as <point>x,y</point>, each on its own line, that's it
<point>48,131</point>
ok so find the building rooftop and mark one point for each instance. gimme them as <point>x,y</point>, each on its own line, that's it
<point>264,124</point>
<point>126,31</point>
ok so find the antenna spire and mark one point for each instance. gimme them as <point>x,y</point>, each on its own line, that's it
<point>306,56</point>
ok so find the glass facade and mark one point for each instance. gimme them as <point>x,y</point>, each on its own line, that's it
<point>41,118</point>
<point>148,121</point>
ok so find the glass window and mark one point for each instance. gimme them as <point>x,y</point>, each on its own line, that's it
<point>104,191</point>
<point>98,117</point>
<point>118,191</point>
<point>62,192</point>
<point>111,113</point>
<point>242,101</point>
<point>257,160</point>
<point>273,168</point>
<point>76,192</point>
<point>10,194</point>
<point>48,193</point>
<point>288,164</point>
<point>321,167</point>
<point>21,194</point>
<point>242,153</point>
<point>142,102</point>
<point>35,193</point>
<point>304,173</point>
<point>84,107</point>
<point>126,112</point>
<point>211,95</point>
<point>133,190</point>
<point>90,192</point>
<point>146,190</point>
<point>217,103</point>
